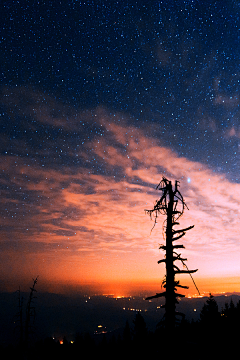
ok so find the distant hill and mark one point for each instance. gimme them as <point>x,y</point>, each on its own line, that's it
<point>59,315</point>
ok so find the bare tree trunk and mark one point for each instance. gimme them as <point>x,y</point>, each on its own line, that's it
<point>170,275</point>
<point>29,311</point>
<point>172,205</point>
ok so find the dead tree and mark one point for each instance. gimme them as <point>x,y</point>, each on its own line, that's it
<point>30,311</point>
<point>172,205</point>
<point>25,324</point>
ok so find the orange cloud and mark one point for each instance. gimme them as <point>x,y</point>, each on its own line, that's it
<point>85,221</point>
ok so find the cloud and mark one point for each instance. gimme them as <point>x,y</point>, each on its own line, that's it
<point>93,208</point>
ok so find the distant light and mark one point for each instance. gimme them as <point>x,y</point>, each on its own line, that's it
<point>188,180</point>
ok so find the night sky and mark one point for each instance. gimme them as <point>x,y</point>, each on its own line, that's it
<point>99,100</point>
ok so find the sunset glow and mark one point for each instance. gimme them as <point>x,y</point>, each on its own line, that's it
<point>79,227</point>
<point>90,123</point>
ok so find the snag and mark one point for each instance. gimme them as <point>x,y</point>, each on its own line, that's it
<point>172,205</point>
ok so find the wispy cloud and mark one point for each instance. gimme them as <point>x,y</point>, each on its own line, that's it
<point>87,202</point>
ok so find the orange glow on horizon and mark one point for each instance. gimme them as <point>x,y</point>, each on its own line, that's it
<point>90,229</point>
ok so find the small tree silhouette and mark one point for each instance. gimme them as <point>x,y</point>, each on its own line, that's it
<point>209,314</point>
<point>140,328</point>
<point>172,205</point>
<point>30,314</point>
<point>127,337</point>
<point>30,311</point>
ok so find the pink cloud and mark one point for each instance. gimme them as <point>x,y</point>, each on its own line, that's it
<point>99,219</point>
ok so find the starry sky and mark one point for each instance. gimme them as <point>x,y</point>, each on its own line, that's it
<point>99,100</point>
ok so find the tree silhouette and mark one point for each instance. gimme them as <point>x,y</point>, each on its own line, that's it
<point>30,311</point>
<point>172,205</point>
<point>30,316</point>
<point>127,334</point>
<point>212,326</point>
<point>209,313</point>
<point>140,328</point>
